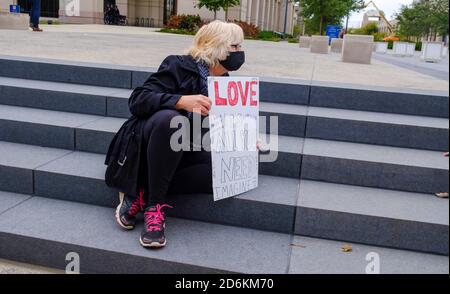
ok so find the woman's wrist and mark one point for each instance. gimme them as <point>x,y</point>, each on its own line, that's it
<point>180,103</point>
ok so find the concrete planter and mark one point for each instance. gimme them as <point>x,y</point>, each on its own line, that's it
<point>410,49</point>
<point>432,51</point>
<point>444,52</point>
<point>14,21</point>
<point>336,45</point>
<point>404,49</point>
<point>319,44</point>
<point>357,49</point>
<point>304,42</point>
<point>381,47</point>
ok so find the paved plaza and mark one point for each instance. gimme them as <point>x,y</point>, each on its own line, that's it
<point>354,167</point>
<point>145,47</point>
<point>12,267</point>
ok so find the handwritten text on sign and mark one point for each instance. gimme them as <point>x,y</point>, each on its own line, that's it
<point>234,124</point>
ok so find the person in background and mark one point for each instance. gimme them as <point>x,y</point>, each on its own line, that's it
<point>35,14</point>
<point>116,15</point>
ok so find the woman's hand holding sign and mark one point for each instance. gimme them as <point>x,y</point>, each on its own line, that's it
<point>195,103</point>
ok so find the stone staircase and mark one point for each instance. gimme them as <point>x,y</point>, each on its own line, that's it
<point>355,166</point>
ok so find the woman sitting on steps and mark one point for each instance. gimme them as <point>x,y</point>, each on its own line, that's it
<point>141,162</point>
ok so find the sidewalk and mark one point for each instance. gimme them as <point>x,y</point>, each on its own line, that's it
<point>138,46</point>
<point>12,267</point>
<point>439,70</point>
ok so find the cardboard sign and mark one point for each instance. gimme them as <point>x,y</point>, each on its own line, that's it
<point>234,128</point>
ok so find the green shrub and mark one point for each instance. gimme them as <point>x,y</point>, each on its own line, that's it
<point>268,36</point>
<point>368,29</point>
<point>176,31</point>
<point>391,45</point>
<point>297,31</point>
<point>49,21</point>
<point>378,37</point>
<point>419,46</point>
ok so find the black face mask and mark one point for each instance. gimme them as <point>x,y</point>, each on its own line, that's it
<point>234,60</point>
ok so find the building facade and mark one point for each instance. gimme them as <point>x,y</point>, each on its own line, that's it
<point>268,15</point>
<point>383,27</point>
<point>371,16</point>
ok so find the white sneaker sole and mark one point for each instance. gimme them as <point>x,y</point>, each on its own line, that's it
<point>121,198</point>
<point>153,244</point>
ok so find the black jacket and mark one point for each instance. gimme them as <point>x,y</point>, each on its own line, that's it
<point>127,168</point>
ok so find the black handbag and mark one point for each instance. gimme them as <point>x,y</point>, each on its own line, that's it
<point>122,159</point>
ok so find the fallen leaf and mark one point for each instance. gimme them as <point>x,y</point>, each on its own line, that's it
<point>347,248</point>
<point>298,245</point>
<point>442,195</point>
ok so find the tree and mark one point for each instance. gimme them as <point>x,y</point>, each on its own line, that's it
<point>320,13</point>
<point>216,5</point>
<point>424,19</point>
<point>369,29</point>
<point>228,4</point>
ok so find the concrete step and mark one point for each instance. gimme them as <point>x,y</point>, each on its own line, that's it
<point>113,102</point>
<point>379,99</point>
<point>375,166</point>
<point>94,133</point>
<point>61,96</point>
<point>402,101</point>
<point>373,216</point>
<point>127,77</point>
<point>79,176</point>
<point>192,246</point>
<point>53,70</point>
<point>293,120</point>
<point>387,129</point>
<point>333,161</point>
<point>276,205</point>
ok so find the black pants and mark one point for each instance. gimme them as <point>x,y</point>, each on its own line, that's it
<point>173,172</point>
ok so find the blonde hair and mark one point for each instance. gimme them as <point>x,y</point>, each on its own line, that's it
<point>213,41</point>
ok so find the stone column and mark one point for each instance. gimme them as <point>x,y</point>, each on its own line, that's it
<point>277,16</point>
<point>131,9</point>
<point>272,15</point>
<point>243,7</point>
<point>249,11</point>
<point>282,15</point>
<point>255,12</point>
<point>262,9</point>
<point>123,6</point>
<point>267,14</point>
<point>4,5</point>
<point>290,19</point>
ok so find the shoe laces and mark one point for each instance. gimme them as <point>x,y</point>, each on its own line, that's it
<point>138,204</point>
<point>154,219</point>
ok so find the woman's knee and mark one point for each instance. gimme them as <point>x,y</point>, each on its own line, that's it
<point>161,120</point>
